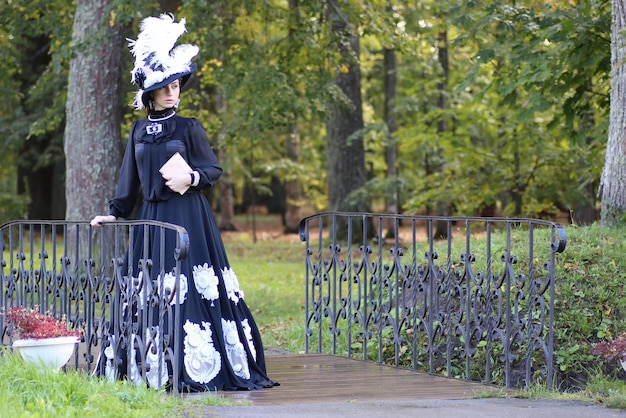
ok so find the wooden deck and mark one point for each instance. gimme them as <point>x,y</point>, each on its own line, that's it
<point>319,378</point>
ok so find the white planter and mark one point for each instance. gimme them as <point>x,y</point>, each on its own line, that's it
<point>50,352</point>
<point>623,364</point>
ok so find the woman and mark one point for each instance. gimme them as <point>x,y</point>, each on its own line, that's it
<point>221,345</point>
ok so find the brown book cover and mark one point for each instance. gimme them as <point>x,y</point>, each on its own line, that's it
<point>176,164</point>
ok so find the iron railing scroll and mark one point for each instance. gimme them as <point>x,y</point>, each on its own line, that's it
<point>107,282</point>
<point>464,297</point>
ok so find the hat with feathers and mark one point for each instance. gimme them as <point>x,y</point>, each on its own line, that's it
<point>157,61</point>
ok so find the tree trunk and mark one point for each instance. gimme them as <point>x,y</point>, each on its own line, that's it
<point>613,182</point>
<point>38,174</point>
<point>585,212</point>
<point>226,185</point>
<point>391,149</point>
<point>441,227</point>
<point>92,131</point>
<point>227,201</point>
<point>292,184</point>
<point>344,124</point>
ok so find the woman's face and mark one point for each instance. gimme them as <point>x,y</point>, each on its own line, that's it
<point>166,96</point>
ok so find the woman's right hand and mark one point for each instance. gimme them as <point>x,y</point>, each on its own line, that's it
<point>101,219</point>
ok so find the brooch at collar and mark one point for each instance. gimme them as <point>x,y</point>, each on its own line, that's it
<point>154,128</point>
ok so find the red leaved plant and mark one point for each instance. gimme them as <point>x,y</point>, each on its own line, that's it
<point>612,349</point>
<point>32,324</point>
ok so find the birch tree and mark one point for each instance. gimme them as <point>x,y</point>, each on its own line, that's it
<point>613,183</point>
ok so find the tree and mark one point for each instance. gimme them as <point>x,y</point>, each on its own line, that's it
<point>92,131</point>
<point>33,41</point>
<point>613,182</point>
<point>525,102</point>
<point>520,115</point>
<point>441,227</point>
<point>344,124</point>
<point>390,83</point>
<point>292,184</point>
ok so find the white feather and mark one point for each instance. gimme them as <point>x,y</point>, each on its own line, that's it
<point>155,45</point>
<point>137,102</point>
<point>156,57</point>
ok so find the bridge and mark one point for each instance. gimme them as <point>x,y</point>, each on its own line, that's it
<point>445,305</point>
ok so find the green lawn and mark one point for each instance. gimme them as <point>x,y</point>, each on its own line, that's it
<point>272,275</point>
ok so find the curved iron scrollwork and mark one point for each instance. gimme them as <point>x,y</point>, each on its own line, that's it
<point>475,303</point>
<point>106,283</point>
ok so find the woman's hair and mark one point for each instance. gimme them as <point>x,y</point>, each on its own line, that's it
<point>150,105</point>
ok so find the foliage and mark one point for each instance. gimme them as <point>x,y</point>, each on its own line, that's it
<point>614,349</point>
<point>526,94</point>
<point>605,390</point>
<point>526,102</point>
<point>30,323</point>
<point>589,303</point>
<point>261,82</point>
<point>13,206</point>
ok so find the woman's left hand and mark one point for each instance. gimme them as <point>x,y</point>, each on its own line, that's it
<point>98,220</point>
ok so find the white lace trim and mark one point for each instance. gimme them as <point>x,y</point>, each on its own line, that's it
<point>232,285</point>
<point>247,330</point>
<point>144,289</point>
<point>153,119</point>
<point>168,284</point>
<point>206,282</point>
<point>234,349</point>
<point>202,361</point>
<point>110,372</point>
<point>152,362</point>
<point>152,366</point>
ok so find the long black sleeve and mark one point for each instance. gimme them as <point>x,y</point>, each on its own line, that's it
<point>128,182</point>
<point>201,156</point>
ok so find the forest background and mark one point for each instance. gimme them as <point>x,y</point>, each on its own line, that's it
<point>448,107</point>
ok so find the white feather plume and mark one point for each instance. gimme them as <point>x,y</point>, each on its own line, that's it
<point>156,57</point>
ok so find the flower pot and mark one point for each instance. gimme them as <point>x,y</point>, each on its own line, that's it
<point>51,352</point>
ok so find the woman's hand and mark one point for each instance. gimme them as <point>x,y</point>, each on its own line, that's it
<point>101,219</point>
<point>179,183</point>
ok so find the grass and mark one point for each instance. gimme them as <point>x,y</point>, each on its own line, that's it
<point>600,390</point>
<point>271,273</point>
<point>28,391</point>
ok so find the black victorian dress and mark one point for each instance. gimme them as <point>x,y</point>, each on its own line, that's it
<point>221,347</point>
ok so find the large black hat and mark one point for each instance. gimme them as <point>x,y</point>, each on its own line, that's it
<point>157,61</point>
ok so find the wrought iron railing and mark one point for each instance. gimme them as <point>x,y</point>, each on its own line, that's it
<point>115,296</point>
<point>471,298</point>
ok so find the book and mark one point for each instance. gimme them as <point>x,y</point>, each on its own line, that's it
<point>176,165</point>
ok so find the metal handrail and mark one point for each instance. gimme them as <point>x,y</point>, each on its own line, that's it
<point>459,296</point>
<point>106,282</point>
